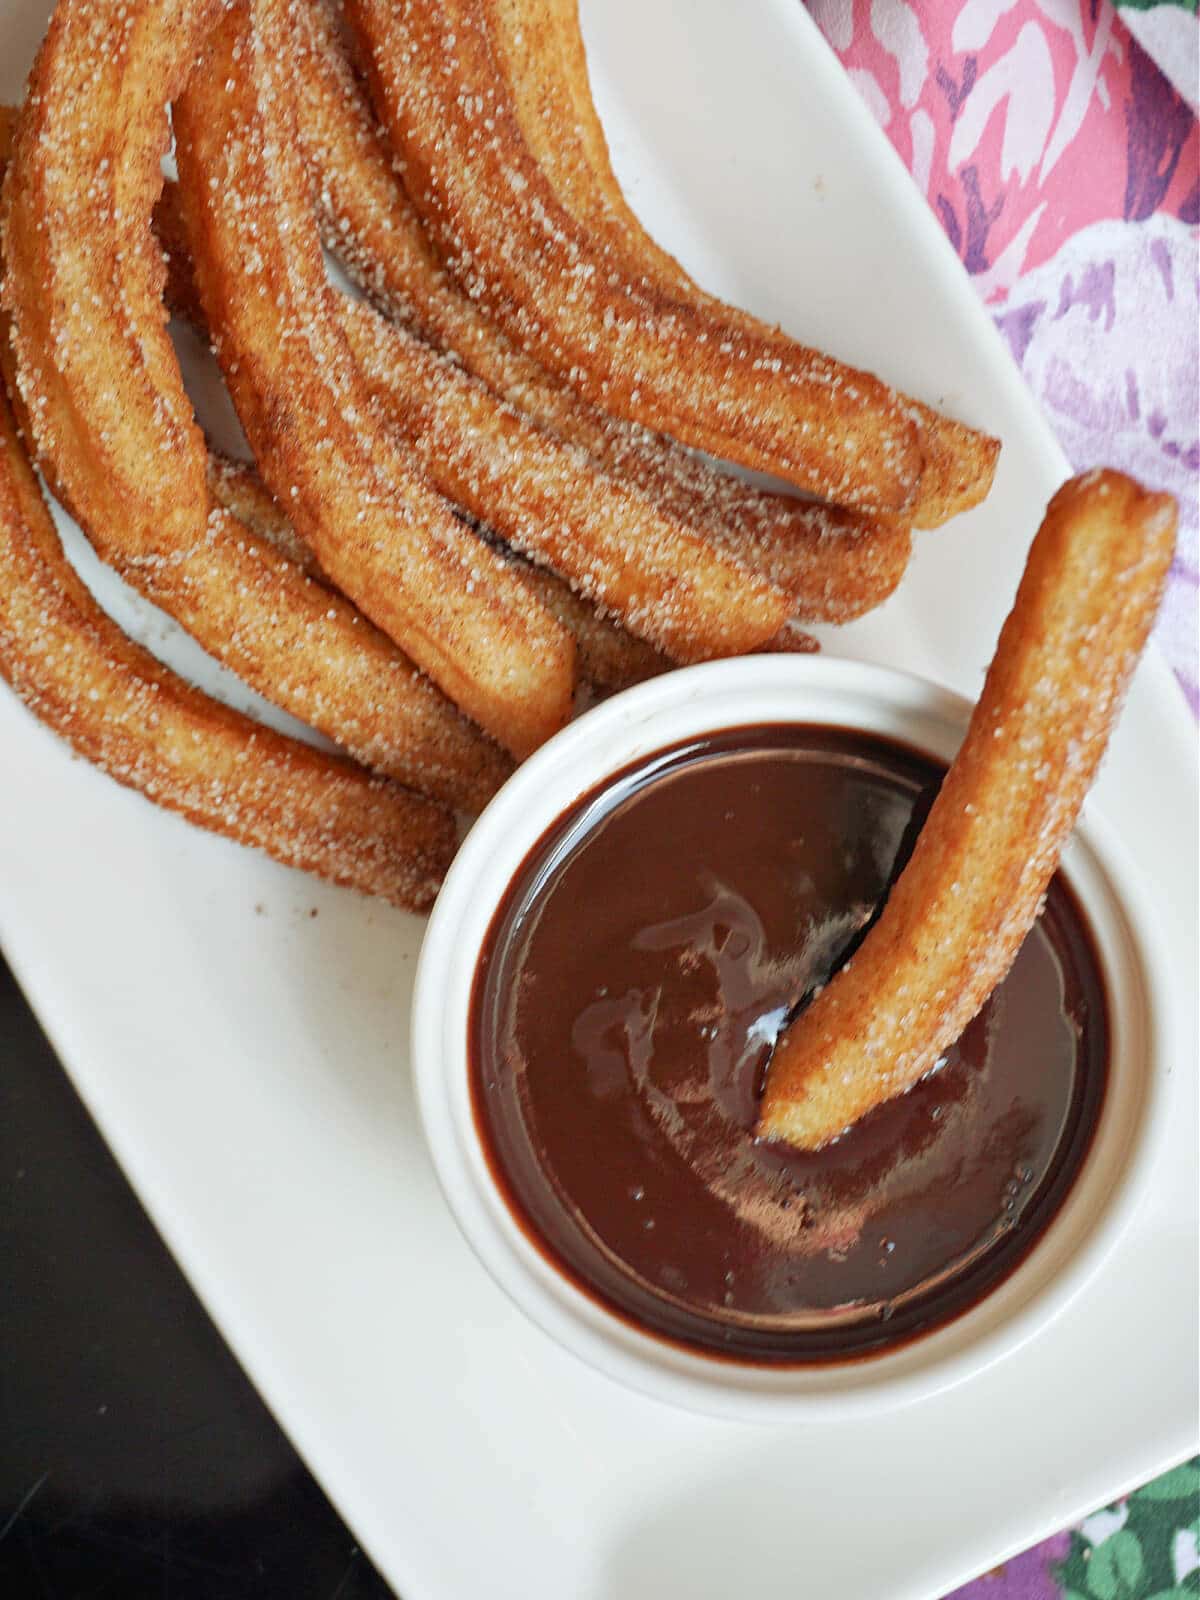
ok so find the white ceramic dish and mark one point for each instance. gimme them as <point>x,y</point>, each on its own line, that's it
<point>820,691</point>
<point>246,1061</point>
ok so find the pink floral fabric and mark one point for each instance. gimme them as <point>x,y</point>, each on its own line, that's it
<point>1063,166</point>
<point>1021,123</point>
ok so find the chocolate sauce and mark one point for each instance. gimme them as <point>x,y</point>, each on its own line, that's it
<point>630,989</point>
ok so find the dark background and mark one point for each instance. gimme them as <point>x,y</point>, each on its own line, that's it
<point>135,1459</point>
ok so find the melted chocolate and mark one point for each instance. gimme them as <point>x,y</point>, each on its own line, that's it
<point>630,989</point>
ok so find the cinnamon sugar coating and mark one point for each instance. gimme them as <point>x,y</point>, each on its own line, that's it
<point>382,534</point>
<point>540,47</point>
<point>835,564</point>
<point>100,387</point>
<point>734,390</point>
<point>958,912</point>
<point>144,726</point>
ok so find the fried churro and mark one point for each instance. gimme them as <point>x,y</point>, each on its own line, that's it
<point>140,723</point>
<point>609,657</point>
<point>613,543</point>
<point>648,356</point>
<point>101,388</point>
<point>960,909</point>
<point>382,534</point>
<point>545,499</point>
<point>540,48</point>
<point>835,564</point>
<point>412,465</point>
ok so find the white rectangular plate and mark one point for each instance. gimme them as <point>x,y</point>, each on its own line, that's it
<point>246,1059</point>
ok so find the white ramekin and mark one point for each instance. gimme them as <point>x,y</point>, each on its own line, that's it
<point>780,689</point>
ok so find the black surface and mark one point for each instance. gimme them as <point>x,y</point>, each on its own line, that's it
<point>136,1461</point>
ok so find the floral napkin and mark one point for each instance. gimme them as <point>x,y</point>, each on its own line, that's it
<point>1142,1548</point>
<point>1056,140</point>
<point>1061,159</point>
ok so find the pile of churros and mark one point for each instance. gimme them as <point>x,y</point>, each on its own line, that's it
<point>476,486</point>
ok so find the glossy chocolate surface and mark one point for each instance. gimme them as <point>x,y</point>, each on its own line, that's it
<point>629,992</point>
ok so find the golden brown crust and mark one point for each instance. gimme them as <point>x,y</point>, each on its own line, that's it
<point>959,910</point>
<point>381,534</point>
<point>412,733</point>
<point>569,299</point>
<point>619,549</point>
<point>237,486</point>
<point>834,564</point>
<point>119,708</point>
<point>614,544</point>
<point>114,429</point>
<point>541,52</point>
<point>95,367</point>
<point>609,657</point>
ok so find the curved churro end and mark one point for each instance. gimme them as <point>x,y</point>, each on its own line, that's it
<point>683,368</point>
<point>960,467</point>
<point>544,60</point>
<point>958,912</point>
<point>114,704</point>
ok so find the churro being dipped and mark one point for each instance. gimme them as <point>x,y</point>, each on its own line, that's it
<point>960,909</point>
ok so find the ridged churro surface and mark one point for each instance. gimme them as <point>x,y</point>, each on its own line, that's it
<point>140,723</point>
<point>732,389</point>
<point>384,536</point>
<point>101,389</point>
<point>957,914</point>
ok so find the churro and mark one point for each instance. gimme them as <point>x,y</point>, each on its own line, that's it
<point>101,389</point>
<point>140,723</point>
<point>958,912</point>
<point>545,499</point>
<point>539,46</point>
<point>413,465</point>
<point>835,564</point>
<point>609,657</point>
<point>648,356</point>
<point>384,536</point>
<point>613,543</point>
